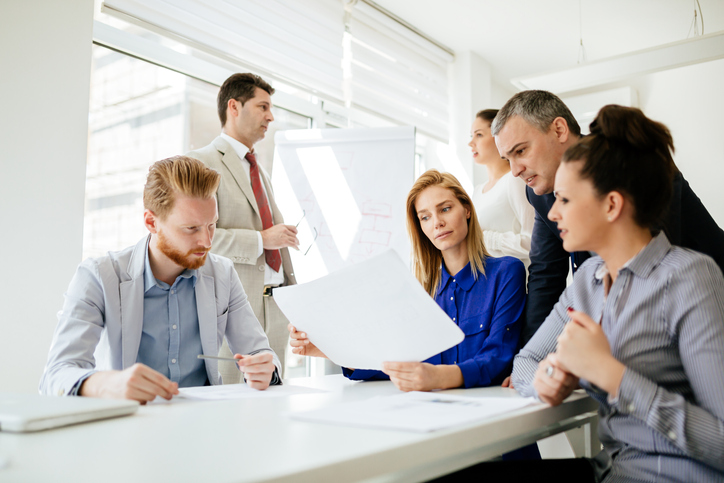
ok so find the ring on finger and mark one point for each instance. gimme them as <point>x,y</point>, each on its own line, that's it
<point>550,370</point>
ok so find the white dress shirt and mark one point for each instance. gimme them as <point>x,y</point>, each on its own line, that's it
<point>506,218</point>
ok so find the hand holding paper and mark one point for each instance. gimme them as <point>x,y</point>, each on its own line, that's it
<point>301,345</point>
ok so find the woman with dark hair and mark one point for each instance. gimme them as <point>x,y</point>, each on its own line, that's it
<point>641,328</point>
<point>504,213</point>
<point>483,295</point>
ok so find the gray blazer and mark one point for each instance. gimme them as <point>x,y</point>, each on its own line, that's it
<point>100,325</point>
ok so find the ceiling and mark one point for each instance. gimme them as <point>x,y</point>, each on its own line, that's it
<point>524,37</point>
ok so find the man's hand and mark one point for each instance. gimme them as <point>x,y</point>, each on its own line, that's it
<point>280,236</point>
<point>584,349</point>
<point>138,382</point>
<point>421,376</point>
<point>552,382</point>
<point>302,345</point>
<point>258,369</point>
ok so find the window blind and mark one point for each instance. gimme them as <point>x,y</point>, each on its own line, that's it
<point>396,72</point>
<point>298,42</point>
<point>353,53</point>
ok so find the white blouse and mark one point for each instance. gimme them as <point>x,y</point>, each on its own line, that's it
<point>506,218</point>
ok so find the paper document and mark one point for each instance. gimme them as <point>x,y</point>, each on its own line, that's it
<point>369,313</point>
<point>236,391</point>
<point>414,411</point>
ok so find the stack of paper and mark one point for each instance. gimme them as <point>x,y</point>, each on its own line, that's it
<point>415,411</point>
<point>236,391</point>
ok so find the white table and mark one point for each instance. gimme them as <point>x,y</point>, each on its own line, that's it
<point>255,440</point>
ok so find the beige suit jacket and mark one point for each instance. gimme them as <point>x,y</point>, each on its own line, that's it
<point>236,238</point>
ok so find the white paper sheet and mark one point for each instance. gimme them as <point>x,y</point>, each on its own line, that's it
<point>414,411</point>
<point>369,313</point>
<point>235,391</point>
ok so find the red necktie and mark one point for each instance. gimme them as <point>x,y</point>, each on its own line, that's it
<point>273,257</point>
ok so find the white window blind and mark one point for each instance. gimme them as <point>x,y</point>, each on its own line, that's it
<point>394,71</point>
<point>299,42</point>
<point>363,57</point>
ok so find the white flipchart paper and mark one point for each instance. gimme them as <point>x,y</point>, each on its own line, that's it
<point>370,313</point>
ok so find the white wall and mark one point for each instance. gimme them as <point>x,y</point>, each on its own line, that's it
<point>690,101</point>
<point>471,89</point>
<point>45,53</point>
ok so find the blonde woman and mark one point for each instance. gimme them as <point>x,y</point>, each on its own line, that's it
<point>483,295</point>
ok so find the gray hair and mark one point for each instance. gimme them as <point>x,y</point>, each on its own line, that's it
<point>538,108</point>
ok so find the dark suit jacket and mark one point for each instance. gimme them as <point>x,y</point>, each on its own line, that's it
<point>688,225</point>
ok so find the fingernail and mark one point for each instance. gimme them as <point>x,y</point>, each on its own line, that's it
<point>303,335</point>
<point>570,309</point>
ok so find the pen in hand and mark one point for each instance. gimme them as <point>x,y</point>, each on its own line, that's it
<point>230,359</point>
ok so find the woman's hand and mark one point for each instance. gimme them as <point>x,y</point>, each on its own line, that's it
<point>508,382</point>
<point>421,376</point>
<point>552,382</point>
<point>584,350</point>
<point>301,344</point>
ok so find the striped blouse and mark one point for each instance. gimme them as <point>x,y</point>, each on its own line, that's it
<point>664,320</point>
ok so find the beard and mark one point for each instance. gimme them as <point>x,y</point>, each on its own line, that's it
<point>185,260</point>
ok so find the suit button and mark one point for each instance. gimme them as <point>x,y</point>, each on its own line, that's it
<point>261,268</point>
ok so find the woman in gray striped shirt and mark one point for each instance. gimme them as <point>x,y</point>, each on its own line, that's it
<point>641,328</point>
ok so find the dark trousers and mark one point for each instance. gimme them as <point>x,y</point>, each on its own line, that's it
<point>578,470</point>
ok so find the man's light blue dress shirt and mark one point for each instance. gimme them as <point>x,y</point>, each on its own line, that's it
<point>171,342</point>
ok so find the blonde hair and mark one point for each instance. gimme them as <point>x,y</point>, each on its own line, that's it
<point>177,175</point>
<point>426,258</point>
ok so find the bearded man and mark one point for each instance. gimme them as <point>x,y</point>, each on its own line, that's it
<point>135,322</point>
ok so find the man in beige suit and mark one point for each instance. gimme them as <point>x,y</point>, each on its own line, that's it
<point>250,230</point>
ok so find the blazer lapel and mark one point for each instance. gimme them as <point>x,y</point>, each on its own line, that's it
<point>206,310</point>
<point>132,305</point>
<point>233,164</point>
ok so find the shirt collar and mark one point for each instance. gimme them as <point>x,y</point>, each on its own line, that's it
<point>464,278</point>
<point>239,148</point>
<point>149,281</point>
<point>643,263</point>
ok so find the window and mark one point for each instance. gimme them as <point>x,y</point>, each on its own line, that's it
<point>141,113</point>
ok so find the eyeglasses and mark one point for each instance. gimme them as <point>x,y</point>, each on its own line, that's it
<point>316,234</point>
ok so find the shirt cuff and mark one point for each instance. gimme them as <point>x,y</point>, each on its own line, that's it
<point>491,239</point>
<point>76,387</point>
<point>635,395</point>
<point>363,374</point>
<point>260,244</point>
<point>471,374</point>
<point>276,380</point>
